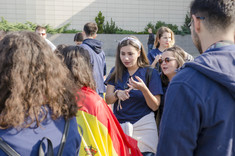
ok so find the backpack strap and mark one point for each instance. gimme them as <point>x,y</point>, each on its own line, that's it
<point>49,148</point>
<point>64,137</point>
<point>11,152</point>
<point>148,75</point>
<point>49,143</point>
<point>7,149</point>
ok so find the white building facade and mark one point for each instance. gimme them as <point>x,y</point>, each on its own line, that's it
<point>127,14</point>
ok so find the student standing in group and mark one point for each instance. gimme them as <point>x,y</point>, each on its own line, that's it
<point>134,101</point>
<point>78,38</point>
<point>164,39</point>
<point>150,39</point>
<point>94,115</point>
<point>42,31</point>
<point>199,112</point>
<point>171,60</point>
<point>97,56</point>
<point>37,96</point>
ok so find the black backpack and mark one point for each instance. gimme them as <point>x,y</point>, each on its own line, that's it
<point>11,152</point>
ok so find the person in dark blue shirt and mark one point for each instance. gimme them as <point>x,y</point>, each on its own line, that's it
<point>150,40</point>
<point>133,101</point>
<point>37,96</point>
<point>199,112</point>
<point>171,60</point>
<point>165,38</point>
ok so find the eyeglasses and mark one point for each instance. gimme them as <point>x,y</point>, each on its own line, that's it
<point>198,17</point>
<point>167,60</point>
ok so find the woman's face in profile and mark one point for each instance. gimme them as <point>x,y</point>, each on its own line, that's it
<point>168,64</point>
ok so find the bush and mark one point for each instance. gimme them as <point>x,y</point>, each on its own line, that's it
<point>99,19</point>
<point>149,25</point>
<point>173,27</point>
<point>110,28</point>
<point>160,24</point>
<point>6,26</point>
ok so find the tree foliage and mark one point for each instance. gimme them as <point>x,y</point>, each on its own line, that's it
<point>99,19</point>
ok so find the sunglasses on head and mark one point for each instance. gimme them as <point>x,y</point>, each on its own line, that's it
<point>167,60</point>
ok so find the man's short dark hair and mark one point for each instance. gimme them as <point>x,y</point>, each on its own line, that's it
<point>78,37</point>
<point>40,28</point>
<point>90,29</point>
<point>219,14</point>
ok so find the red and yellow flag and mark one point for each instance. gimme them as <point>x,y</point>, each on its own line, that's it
<point>101,132</point>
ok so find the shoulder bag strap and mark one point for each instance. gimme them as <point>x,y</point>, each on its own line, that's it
<point>64,137</point>
<point>148,75</point>
<point>7,149</point>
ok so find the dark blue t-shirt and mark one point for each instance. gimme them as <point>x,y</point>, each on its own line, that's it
<point>135,107</point>
<point>151,57</point>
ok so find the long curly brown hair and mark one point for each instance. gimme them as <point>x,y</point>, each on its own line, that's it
<point>33,82</point>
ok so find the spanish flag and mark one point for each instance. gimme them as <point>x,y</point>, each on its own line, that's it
<point>101,132</point>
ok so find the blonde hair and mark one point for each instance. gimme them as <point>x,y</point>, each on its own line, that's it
<point>180,56</point>
<point>159,34</point>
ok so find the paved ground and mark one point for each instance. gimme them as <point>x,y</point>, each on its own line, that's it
<point>110,62</point>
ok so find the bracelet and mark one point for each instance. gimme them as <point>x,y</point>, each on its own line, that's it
<point>115,94</point>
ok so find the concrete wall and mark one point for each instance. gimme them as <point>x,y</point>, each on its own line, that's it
<point>128,14</point>
<point>110,42</point>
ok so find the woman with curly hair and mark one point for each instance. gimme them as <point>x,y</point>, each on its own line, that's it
<point>37,96</point>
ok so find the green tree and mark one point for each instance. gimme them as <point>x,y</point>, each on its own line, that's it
<point>185,29</point>
<point>99,19</point>
<point>110,28</point>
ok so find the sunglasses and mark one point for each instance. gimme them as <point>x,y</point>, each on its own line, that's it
<point>198,17</point>
<point>167,60</point>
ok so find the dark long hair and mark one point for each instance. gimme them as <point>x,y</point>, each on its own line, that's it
<point>33,81</point>
<point>119,67</point>
<point>77,60</point>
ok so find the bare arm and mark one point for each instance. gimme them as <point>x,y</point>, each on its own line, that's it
<point>110,97</point>
<point>152,101</point>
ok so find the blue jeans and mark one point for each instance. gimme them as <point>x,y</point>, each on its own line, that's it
<point>148,154</point>
<point>150,47</point>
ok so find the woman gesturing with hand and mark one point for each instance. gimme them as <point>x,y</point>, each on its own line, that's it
<point>133,101</point>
